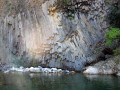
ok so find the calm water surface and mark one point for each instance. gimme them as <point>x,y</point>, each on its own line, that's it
<point>27,81</point>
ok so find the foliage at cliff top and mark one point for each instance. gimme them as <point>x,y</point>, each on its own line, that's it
<point>113,16</point>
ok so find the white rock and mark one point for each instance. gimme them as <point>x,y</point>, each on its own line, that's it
<point>91,70</point>
<point>59,70</point>
<point>37,70</point>
<point>45,70</point>
<point>26,70</point>
<point>40,67</point>
<point>34,70</point>
<point>20,70</point>
<point>21,67</point>
<point>50,70</point>
<point>13,69</point>
<point>118,74</point>
<point>54,70</point>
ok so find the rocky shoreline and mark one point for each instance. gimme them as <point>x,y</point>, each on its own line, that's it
<point>108,67</point>
<point>38,69</point>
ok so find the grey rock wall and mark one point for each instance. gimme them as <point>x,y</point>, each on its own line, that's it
<point>37,37</point>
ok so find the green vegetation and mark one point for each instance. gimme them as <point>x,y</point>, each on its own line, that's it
<point>65,1</point>
<point>12,7</point>
<point>90,33</point>
<point>113,38</point>
<point>113,35</point>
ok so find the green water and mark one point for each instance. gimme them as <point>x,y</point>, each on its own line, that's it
<point>27,81</point>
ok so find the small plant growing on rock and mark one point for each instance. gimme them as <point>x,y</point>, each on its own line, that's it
<point>65,1</point>
<point>117,51</point>
<point>113,17</point>
<point>113,36</point>
<point>113,39</point>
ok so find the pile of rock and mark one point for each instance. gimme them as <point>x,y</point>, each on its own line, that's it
<point>38,69</point>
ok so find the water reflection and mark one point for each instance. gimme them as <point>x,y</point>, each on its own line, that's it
<point>107,81</point>
<point>44,81</point>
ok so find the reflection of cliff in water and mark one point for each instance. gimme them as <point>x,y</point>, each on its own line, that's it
<point>27,81</point>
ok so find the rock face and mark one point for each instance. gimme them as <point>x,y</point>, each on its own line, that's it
<point>44,36</point>
<point>110,66</point>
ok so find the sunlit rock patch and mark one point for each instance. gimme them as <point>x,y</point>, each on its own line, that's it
<point>91,70</point>
<point>118,74</point>
<point>97,70</point>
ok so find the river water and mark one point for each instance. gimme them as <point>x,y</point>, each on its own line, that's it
<point>44,81</point>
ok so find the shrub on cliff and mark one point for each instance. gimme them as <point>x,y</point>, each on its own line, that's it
<point>113,17</point>
<point>66,1</point>
<point>113,38</point>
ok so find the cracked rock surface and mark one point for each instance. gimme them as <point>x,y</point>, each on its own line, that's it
<point>30,35</point>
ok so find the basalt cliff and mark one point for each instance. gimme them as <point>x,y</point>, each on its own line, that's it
<point>51,33</point>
